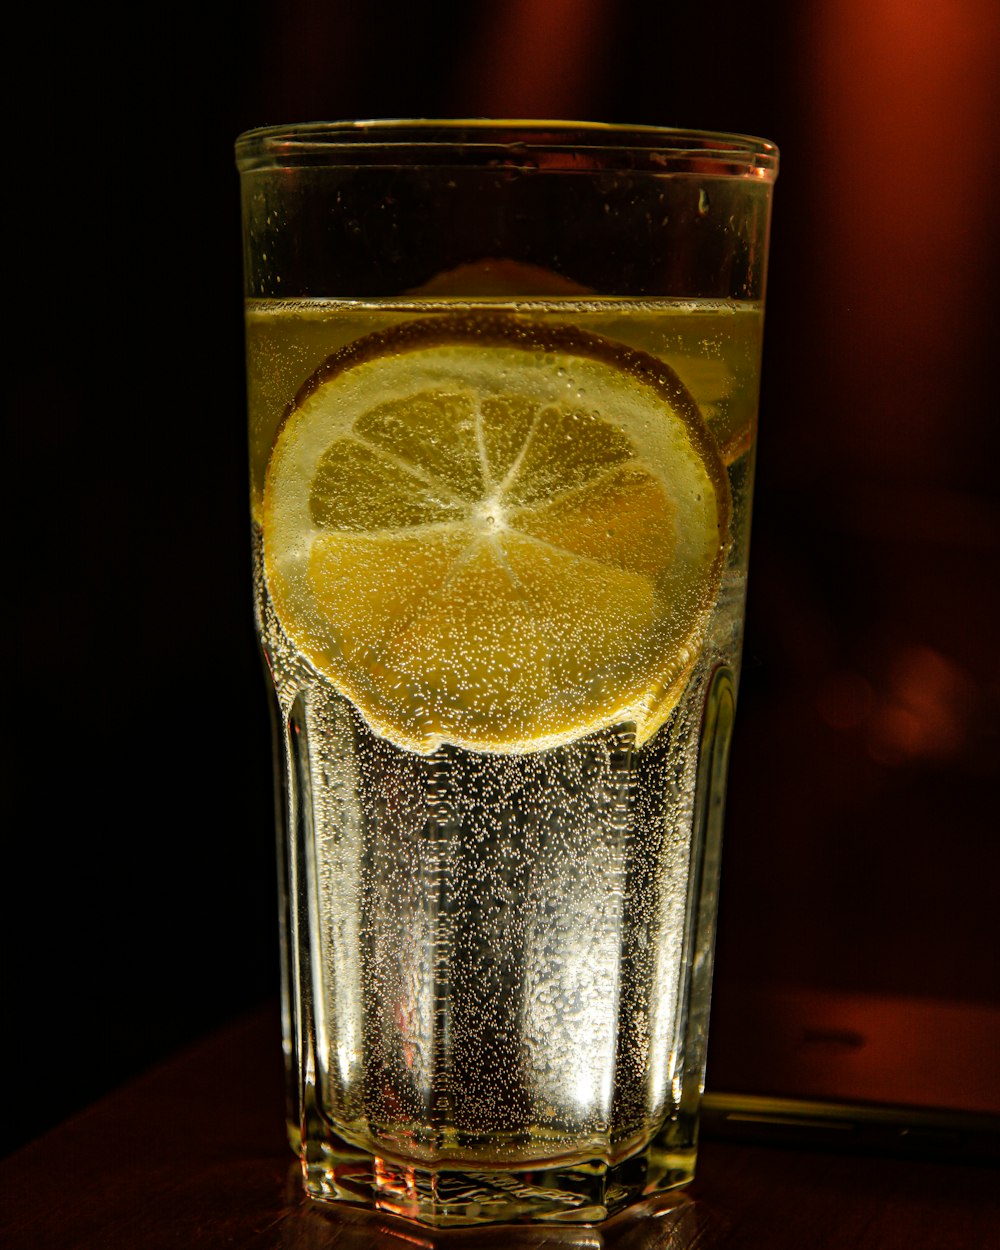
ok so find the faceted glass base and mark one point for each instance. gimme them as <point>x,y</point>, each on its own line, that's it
<point>581,1192</point>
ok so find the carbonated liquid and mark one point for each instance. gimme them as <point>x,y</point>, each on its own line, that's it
<point>498,953</point>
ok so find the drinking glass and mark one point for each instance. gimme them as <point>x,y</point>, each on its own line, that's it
<point>503,387</point>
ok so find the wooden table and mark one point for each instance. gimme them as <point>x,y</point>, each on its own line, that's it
<point>193,1156</point>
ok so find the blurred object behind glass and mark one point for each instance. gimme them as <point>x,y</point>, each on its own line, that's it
<point>862,857</point>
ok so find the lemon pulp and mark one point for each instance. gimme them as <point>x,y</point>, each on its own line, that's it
<point>496,534</point>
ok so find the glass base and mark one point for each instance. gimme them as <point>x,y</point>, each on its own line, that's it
<point>451,1195</point>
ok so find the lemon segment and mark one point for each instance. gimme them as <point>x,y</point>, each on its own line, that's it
<point>496,534</point>
<point>394,497</point>
<point>365,593</point>
<point>432,434</point>
<point>624,518</point>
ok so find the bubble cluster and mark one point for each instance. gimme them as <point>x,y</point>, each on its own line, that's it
<point>497,947</point>
<point>492,945</point>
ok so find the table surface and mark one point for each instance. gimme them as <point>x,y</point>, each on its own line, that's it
<point>193,1155</point>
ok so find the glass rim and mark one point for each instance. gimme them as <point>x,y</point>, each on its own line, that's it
<point>552,146</point>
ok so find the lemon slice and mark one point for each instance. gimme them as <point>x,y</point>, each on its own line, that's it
<point>496,534</point>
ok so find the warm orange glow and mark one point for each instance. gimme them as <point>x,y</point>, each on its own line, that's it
<point>535,58</point>
<point>925,709</point>
<point>884,1049</point>
<point>919,709</point>
<point>907,129</point>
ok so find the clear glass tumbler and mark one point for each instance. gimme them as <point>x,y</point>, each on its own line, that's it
<point>503,385</point>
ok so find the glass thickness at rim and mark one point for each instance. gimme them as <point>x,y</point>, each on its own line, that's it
<point>551,145</point>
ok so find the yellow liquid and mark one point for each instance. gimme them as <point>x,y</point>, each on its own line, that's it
<point>500,947</point>
<point>714,346</point>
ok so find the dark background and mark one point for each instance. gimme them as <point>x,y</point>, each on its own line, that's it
<point>862,836</point>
